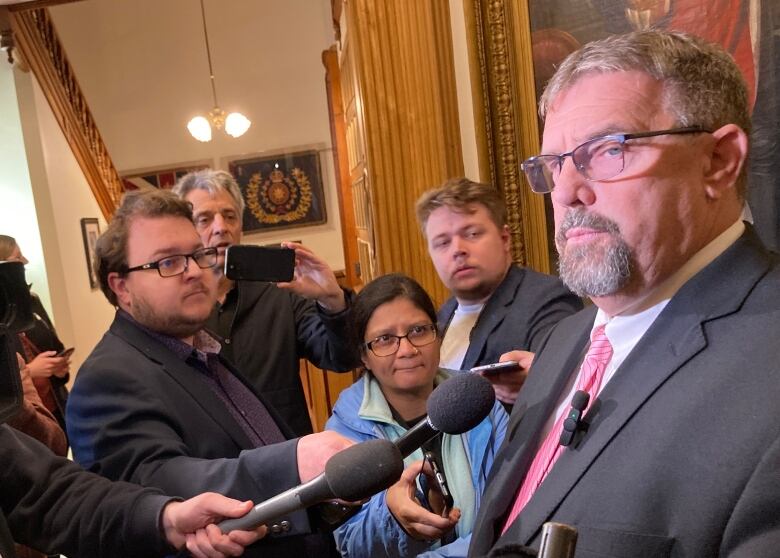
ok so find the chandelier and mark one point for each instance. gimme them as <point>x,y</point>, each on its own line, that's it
<point>235,124</point>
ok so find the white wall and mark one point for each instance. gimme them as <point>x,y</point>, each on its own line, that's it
<point>62,198</point>
<point>468,134</point>
<point>142,66</point>
<point>17,210</point>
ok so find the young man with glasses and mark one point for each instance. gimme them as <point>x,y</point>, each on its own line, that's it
<point>499,311</point>
<point>156,405</point>
<point>644,153</point>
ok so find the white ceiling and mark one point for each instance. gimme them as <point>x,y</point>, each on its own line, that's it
<point>142,67</point>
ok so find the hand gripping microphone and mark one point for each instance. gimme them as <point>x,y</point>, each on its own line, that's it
<point>459,404</point>
<point>355,473</point>
<point>573,421</point>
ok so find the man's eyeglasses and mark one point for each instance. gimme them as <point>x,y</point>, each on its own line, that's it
<point>177,264</point>
<point>600,158</point>
<point>387,344</point>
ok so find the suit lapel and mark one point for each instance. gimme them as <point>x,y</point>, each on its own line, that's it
<point>492,315</point>
<point>546,381</point>
<point>675,337</point>
<point>181,373</point>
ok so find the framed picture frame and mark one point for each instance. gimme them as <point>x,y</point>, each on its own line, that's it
<point>516,47</point>
<point>160,177</point>
<point>281,191</point>
<point>90,231</point>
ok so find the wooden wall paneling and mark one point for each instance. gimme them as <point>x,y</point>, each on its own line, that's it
<point>527,134</point>
<point>407,96</point>
<point>356,161</point>
<point>322,389</point>
<point>341,166</point>
<point>505,103</point>
<point>313,380</point>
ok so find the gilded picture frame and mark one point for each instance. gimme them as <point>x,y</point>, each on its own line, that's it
<point>281,191</point>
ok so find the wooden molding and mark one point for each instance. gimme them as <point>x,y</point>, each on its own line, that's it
<point>505,106</point>
<point>407,95</point>
<point>37,40</point>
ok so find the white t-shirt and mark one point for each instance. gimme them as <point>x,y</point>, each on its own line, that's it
<point>456,339</point>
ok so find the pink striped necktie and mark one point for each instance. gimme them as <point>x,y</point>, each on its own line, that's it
<point>589,380</point>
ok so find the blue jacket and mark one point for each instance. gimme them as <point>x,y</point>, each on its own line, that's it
<point>373,531</point>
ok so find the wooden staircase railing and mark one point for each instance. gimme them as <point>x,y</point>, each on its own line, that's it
<point>36,39</point>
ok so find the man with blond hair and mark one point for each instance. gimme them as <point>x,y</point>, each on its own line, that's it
<point>498,310</point>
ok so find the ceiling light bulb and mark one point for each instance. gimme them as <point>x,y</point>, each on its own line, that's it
<point>236,124</point>
<point>200,129</point>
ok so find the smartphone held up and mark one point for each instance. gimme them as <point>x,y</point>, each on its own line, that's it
<point>246,262</point>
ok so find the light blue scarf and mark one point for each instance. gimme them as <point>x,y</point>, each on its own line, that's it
<point>455,458</point>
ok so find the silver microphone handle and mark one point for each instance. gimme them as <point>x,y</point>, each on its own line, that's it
<point>558,541</point>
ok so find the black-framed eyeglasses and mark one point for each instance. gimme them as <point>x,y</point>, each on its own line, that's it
<point>388,344</point>
<point>177,264</point>
<point>600,158</point>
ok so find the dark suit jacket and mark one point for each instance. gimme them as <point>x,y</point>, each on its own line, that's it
<point>50,503</point>
<point>139,413</point>
<point>517,316</point>
<point>682,457</point>
<point>271,330</point>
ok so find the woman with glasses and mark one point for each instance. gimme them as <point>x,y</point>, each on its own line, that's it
<point>394,324</point>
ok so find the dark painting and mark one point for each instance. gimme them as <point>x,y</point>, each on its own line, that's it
<point>281,191</point>
<point>748,29</point>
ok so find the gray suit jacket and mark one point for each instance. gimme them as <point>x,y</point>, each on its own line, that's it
<point>517,316</point>
<point>682,457</point>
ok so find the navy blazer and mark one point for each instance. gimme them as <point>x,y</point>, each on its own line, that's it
<point>517,315</point>
<point>682,456</point>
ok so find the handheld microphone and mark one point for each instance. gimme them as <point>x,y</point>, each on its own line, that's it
<point>558,541</point>
<point>355,473</point>
<point>573,421</point>
<point>456,406</point>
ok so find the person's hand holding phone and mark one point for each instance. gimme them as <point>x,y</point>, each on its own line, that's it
<point>314,279</point>
<point>48,364</point>
<point>507,383</point>
<point>418,522</point>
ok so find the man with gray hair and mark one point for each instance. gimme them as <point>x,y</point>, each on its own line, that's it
<point>267,328</point>
<point>675,366</point>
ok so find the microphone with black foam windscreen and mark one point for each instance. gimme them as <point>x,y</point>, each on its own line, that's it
<point>573,421</point>
<point>456,406</point>
<point>353,474</point>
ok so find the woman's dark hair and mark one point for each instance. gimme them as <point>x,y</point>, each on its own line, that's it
<point>385,289</point>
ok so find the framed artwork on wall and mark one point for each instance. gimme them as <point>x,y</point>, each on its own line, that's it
<point>747,29</point>
<point>518,45</point>
<point>281,191</point>
<point>164,177</point>
<point>90,231</point>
